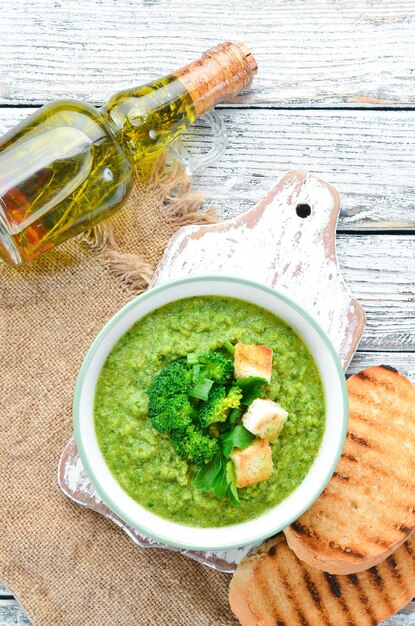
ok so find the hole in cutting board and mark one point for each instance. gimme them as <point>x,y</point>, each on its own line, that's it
<point>303,210</point>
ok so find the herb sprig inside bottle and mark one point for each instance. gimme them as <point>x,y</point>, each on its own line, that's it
<point>70,165</point>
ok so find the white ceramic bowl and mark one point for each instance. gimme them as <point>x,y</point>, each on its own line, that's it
<point>273,520</point>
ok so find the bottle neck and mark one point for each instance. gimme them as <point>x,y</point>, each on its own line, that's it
<point>150,117</point>
<point>220,74</point>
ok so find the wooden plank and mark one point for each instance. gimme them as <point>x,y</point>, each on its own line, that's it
<point>11,614</point>
<point>274,246</point>
<point>404,362</point>
<point>401,619</point>
<point>368,156</point>
<point>380,270</point>
<point>319,53</point>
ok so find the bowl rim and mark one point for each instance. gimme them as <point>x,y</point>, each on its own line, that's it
<point>101,490</point>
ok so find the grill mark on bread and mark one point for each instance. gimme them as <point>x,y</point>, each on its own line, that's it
<point>293,571</point>
<point>359,418</point>
<point>362,375</point>
<point>405,530</point>
<point>375,462</point>
<point>349,457</point>
<point>374,572</point>
<point>262,586</point>
<point>390,368</point>
<point>363,598</point>
<point>292,599</point>
<point>312,589</point>
<point>359,440</point>
<point>301,529</point>
<point>358,396</point>
<point>333,584</point>
<point>381,542</point>
<point>376,469</point>
<point>397,562</point>
<point>380,585</point>
<point>285,584</point>
<point>393,566</point>
<point>336,590</point>
<point>375,381</point>
<point>331,494</point>
<point>349,551</point>
<point>341,476</point>
<point>263,581</point>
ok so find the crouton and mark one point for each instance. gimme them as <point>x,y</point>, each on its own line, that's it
<point>265,418</point>
<point>252,360</point>
<point>253,464</point>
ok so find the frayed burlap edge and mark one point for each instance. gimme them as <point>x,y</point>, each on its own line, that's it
<point>181,206</point>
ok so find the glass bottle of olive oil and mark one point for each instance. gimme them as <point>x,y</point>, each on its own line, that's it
<point>70,165</point>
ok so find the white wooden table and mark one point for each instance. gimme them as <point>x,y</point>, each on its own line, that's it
<point>335,94</point>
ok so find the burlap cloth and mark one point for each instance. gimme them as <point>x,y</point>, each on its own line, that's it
<point>69,566</point>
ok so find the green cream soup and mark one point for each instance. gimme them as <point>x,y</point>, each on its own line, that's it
<point>143,460</point>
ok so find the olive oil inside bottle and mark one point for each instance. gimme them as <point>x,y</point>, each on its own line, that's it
<point>69,164</point>
<point>64,168</point>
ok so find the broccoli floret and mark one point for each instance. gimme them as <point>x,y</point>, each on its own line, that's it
<point>167,414</point>
<point>217,366</point>
<point>193,445</point>
<point>218,405</point>
<point>173,379</point>
<point>169,407</point>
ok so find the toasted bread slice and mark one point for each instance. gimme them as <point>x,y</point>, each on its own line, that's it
<point>273,587</point>
<point>368,508</point>
<point>252,360</point>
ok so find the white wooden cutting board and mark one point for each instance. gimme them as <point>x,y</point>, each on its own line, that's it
<point>287,242</point>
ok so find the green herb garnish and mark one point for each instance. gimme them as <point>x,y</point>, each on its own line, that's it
<point>218,476</point>
<point>199,404</point>
<point>251,388</point>
<point>238,437</point>
<point>231,481</point>
<point>206,476</point>
<point>201,389</point>
<point>229,347</point>
<point>192,358</point>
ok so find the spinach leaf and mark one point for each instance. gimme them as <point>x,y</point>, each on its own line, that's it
<point>207,474</point>
<point>238,437</point>
<point>219,476</point>
<point>234,415</point>
<point>231,480</point>
<point>220,486</point>
<point>250,388</point>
